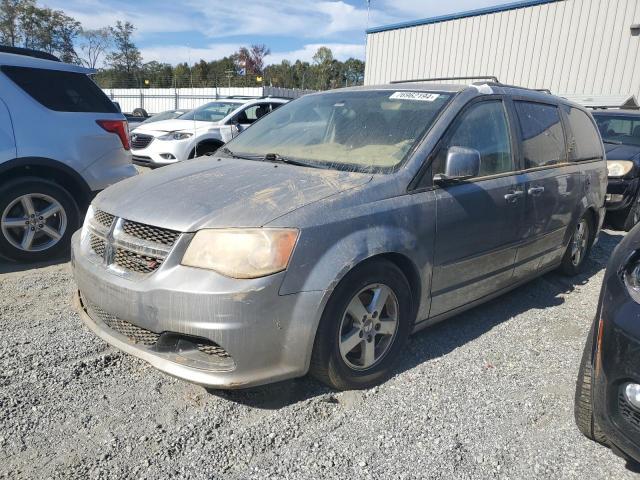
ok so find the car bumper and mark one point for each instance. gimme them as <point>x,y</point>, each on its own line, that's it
<point>266,336</point>
<point>620,193</point>
<point>617,363</point>
<point>162,152</point>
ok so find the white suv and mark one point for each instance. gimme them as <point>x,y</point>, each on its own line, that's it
<point>61,141</point>
<point>199,131</point>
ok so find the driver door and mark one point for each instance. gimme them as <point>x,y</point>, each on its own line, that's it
<point>247,116</point>
<point>478,221</point>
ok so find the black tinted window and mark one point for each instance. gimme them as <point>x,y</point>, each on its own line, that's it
<point>542,134</point>
<point>482,127</point>
<point>61,91</point>
<point>585,139</point>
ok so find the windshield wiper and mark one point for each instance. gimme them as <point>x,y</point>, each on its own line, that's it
<point>277,158</point>
<point>612,142</point>
<point>228,152</point>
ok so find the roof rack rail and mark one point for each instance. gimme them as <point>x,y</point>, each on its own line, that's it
<point>28,52</point>
<point>442,79</point>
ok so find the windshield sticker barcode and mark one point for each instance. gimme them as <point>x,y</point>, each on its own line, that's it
<point>420,96</point>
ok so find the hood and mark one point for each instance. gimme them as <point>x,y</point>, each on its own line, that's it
<point>218,193</point>
<point>622,152</point>
<point>173,125</point>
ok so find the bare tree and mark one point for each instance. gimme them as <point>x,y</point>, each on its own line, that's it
<point>93,45</point>
<point>251,59</point>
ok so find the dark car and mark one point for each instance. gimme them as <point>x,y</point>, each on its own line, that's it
<point>607,402</point>
<point>620,131</point>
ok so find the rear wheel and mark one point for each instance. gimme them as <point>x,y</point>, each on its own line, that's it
<point>37,219</point>
<point>583,404</point>
<point>364,327</point>
<point>579,247</point>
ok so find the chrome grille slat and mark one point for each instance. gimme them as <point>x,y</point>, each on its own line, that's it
<point>131,247</point>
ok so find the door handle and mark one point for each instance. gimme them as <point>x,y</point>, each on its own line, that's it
<point>513,196</point>
<point>536,191</point>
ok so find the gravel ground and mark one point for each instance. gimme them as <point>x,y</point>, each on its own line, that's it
<point>488,394</point>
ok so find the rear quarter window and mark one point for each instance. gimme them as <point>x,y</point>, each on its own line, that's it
<point>584,137</point>
<point>61,91</point>
<point>542,134</point>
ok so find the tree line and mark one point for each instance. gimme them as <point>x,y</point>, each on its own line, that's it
<point>112,51</point>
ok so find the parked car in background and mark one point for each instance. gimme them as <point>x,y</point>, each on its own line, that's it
<point>198,132</point>
<point>166,115</point>
<point>607,401</point>
<point>61,141</point>
<point>326,233</point>
<point>620,131</point>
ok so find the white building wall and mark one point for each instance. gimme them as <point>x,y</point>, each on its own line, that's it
<point>568,46</point>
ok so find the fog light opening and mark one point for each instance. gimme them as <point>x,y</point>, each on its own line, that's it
<point>167,156</point>
<point>632,394</point>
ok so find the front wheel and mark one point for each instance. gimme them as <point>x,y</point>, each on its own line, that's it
<point>583,403</point>
<point>364,327</point>
<point>37,219</point>
<point>579,247</point>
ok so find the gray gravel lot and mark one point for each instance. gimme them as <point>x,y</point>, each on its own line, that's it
<point>488,394</point>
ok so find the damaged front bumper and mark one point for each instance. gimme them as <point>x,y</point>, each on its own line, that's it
<point>199,326</point>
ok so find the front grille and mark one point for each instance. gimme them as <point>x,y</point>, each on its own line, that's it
<point>140,141</point>
<point>134,333</point>
<point>629,413</point>
<point>98,245</point>
<point>136,262</point>
<point>103,218</point>
<point>136,248</point>
<point>151,234</point>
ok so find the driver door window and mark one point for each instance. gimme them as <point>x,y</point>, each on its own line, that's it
<point>252,113</point>
<point>482,127</point>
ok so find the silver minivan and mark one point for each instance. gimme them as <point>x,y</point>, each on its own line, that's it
<point>321,237</point>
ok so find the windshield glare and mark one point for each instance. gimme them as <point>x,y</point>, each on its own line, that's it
<point>619,129</point>
<point>357,130</point>
<point>210,112</point>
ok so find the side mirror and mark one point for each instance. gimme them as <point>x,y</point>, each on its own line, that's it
<point>462,163</point>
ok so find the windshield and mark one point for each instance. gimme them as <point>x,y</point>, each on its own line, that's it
<point>618,128</point>
<point>210,112</point>
<point>168,115</point>
<point>357,130</point>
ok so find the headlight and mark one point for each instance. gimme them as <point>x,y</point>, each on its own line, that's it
<point>175,136</point>
<point>631,274</point>
<point>242,253</point>
<point>619,168</point>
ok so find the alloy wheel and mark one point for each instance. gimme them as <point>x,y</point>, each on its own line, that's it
<point>369,326</point>
<point>580,242</point>
<point>33,222</point>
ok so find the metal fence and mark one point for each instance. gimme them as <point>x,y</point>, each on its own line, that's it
<point>155,100</point>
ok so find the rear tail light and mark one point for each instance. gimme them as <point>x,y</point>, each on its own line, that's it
<point>119,127</point>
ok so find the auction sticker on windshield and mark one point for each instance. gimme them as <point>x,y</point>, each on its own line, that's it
<point>420,96</point>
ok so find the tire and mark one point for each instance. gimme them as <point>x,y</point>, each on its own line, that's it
<point>583,403</point>
<point>572,265</point>
<point>140,112</point>
<point>63,220</point>
<point>351,371</point>
<point>633,217</point>
<point>205,149</point>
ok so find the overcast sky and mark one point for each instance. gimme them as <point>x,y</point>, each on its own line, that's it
<point>183,30</point>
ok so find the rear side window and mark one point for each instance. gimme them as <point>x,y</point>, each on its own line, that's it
<point>482,127</point>
<point>61,91</point>
<point>584,140</point>
<point>542,134</point>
